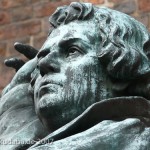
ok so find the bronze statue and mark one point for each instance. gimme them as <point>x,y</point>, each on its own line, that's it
<point>87,87</point>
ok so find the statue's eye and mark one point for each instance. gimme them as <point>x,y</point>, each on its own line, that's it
<point>74,51</point>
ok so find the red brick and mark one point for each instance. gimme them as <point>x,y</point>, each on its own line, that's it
<point>39,1</point>
<point>10,47</point>
<point>3,49</point>
<point>21,13</point>
<point>4,17</point>
<point>20,30</point>
<point>12,3</point>
<point>116,1</point>
<point>45,25</point>
<point>46,9</point>
<point>128,6</point>
<point>39,40</point>
<point>94,1</point>
<point>144,5</point>
<point>144,19</point>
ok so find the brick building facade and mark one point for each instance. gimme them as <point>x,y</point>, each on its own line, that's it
<point>26,21</point>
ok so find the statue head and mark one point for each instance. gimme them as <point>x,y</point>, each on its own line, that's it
<point>91,54</point>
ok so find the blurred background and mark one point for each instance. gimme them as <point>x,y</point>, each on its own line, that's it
<point>26,21</point>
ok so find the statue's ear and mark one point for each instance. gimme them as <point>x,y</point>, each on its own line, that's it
<point>125,62</point>
<point>108,56</point>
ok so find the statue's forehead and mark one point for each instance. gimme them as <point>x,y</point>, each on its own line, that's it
<point>84,29</point>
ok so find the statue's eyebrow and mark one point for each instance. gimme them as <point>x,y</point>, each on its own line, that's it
<point>68,41</point>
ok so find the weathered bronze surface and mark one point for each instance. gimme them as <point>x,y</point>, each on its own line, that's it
<point>87,88</point>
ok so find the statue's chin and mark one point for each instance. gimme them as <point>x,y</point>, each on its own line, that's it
<point>50,113</point>
<point>54,112</point>
<point>52,123</point>
<point>48,121</point>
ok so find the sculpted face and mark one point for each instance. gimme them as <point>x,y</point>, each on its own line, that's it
<point>72,77</point>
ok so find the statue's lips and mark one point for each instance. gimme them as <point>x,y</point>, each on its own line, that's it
<point>49,87</point>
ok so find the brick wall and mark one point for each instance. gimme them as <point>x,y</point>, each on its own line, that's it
<point>26,21</point>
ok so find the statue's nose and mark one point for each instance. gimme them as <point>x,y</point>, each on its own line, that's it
<point>48,62</point>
